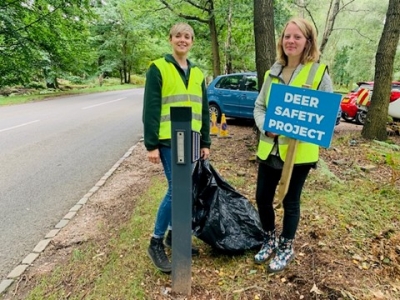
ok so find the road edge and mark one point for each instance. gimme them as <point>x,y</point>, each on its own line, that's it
<point>42,245</point>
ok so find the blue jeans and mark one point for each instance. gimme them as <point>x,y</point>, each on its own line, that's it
<point>164,214</point>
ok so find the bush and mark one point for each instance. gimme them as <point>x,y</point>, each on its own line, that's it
<point>75,79</point>
<point>35,85</point>
<point>137,80</point>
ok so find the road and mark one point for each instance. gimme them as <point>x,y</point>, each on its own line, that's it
<point>51,154</point>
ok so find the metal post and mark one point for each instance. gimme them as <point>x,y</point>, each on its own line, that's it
<point>181,140</point>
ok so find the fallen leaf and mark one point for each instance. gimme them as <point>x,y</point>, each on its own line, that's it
<point>316,290</point>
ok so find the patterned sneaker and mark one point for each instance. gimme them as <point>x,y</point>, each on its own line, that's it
<point>283,256</point>
<point>268,247</point>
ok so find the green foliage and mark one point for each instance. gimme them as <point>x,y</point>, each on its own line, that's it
<point>339,73</point>
<point>282,13</point>
<point>74,79</point>
<point>121,35</point>
<point>42,38</point>
<point>357,32</point>
<point>35,85</point>
<point>45,40</point>
<point>137,80</point>
<point>90,85</point>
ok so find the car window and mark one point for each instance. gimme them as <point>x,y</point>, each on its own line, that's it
<point>250,83</point>
<point>229,82</point>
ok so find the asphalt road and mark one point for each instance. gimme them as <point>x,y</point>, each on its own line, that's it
<point>51,154</point>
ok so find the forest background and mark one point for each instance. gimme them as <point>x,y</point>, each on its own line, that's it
<point>42,41</point>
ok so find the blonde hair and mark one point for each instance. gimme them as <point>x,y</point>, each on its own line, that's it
<point>311,52</point>
<point>180,28</point>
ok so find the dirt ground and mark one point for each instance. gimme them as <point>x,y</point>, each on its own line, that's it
<point>109,205</point>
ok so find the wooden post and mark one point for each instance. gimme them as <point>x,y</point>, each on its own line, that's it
<point>287,170</point>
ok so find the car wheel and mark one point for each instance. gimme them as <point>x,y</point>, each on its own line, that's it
<point>347,118</point>
<point>214,108</point>
<point>360,117</point>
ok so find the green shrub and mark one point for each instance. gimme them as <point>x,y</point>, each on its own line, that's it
<point>75,79</point>
<point>35,85</point>
<point>137,80</point>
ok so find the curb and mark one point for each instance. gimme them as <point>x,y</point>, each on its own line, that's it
<point>41,246</point>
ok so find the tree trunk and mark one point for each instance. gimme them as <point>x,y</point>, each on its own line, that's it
<point>207,6</point>
<point>228,43</point>
<point>125,71</point>
<point>101,79</point>
<point>301,5</point>
<point>375,124</point>
<point>214,46</point>
<point>264,34</point>
<point>330,22</point>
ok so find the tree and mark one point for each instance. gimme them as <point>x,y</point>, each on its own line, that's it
<point>122,37</point>
<point>335,6</point>
<point>228,43</point>
<point>41,38</point>
<point>375,126</point>
<point>264,35</point>
<point>338,70</point>
<point>208,8</point>
<point>329,23</point>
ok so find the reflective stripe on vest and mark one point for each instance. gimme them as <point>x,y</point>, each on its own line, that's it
<point>311,74</point>
<point>174,93</point>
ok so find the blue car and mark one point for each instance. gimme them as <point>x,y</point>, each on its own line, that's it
<point>235,95</point>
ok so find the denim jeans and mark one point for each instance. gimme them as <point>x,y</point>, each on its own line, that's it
<point>164,214</point>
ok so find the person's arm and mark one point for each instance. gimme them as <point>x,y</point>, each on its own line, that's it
<point>152,108</point>
<point>326,83</point>
<point>260,108</point>
<point>327,86</point>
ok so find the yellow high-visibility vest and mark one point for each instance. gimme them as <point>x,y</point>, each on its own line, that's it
<point>174,93</point>
<point>311,74</point>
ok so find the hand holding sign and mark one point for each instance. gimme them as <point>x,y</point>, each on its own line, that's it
<point>303,114</point>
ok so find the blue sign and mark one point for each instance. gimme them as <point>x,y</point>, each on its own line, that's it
<point>303,114</point>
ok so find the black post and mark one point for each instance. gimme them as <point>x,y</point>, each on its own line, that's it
<point>181,138</point>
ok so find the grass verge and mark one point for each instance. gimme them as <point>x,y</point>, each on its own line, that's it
<point>118,271</point>
<point>347,244</point>
<point>73,90</point>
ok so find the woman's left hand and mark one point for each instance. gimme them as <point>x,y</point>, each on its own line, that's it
<point>204,153</point>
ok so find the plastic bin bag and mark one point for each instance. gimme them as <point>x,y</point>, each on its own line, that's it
<point>222,217</point>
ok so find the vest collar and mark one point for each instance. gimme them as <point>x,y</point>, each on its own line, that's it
<point>171,59</point>
<point>277,67</point>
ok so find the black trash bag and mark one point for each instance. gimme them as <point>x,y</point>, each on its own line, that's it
<point>222,217</point>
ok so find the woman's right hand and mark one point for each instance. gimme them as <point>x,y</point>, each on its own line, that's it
<point>271,135</point>
<point>154,156</point>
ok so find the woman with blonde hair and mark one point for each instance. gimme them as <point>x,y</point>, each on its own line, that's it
<point>172,80</point>
<point>297,65</point>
